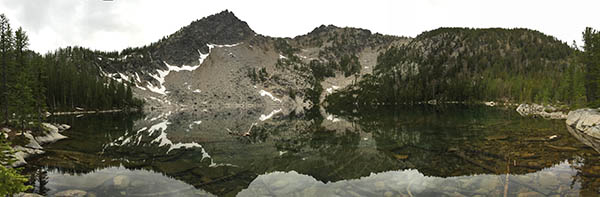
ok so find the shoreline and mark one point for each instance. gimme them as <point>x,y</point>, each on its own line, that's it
<point>50,134</point>
<point>85,112</point>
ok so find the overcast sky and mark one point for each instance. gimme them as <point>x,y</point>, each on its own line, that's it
<point>114,25</point>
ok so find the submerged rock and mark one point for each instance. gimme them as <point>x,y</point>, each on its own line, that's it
<point>121,181</point>
<point>71,193</point>
<point>529,194</point>
<point>28,195</point>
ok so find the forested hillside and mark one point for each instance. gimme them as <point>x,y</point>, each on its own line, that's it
<point>64,80</point>
<point>461,64</point>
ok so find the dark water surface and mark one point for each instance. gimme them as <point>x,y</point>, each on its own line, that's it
<point>407,151</point>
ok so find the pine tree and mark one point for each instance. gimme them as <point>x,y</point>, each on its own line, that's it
<point>21,93</point>
<point>591,60</point>
<point>5,48</point>
<point>37,85</point>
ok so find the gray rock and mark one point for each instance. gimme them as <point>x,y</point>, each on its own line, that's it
<point>49,127</point>
<point>5,132</point>
<point>549,180</point>
<point>548,112</point>
<point>22,152</point>
<point>279,184</point>
<point>71,193</point>
<point>586,121</point>
<point>32,142</point>
<point>121,181</point>
<point>587,139</point>
<point>65,126</point>
<point>28,195</point>
<point>379,185</point>
<point>388,194</point>
<point>529,194</point>
<point>52,134</point>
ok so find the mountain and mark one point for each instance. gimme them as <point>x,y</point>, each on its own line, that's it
<point>463,64</point>
<point>183,47</point>
<point>219,62</point>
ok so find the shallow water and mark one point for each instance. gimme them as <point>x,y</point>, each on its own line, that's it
<point>405,151</point>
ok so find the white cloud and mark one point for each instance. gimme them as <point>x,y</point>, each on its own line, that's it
<point>114,25</point>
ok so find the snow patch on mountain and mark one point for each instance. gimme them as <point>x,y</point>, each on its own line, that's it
<point>191,126</point>
<point>266,117</point>
<point>210,46</point>
<point>332,88</point>
<point>161,89</point>
<point>332,118</point>
<point>162,126</point>
<point>265,93</point>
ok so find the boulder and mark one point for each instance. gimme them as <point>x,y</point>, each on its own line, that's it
<point>51,134</point>
<point>5,132</point>
<point>121,181</point>
<point>34,146</point>
<point>49,127</point>
<point>586,121</point>
<point>32,142</point>
<point>71,193</point>
<point>65,126</point>
<point>21,153</point>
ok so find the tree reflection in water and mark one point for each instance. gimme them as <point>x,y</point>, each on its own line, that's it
<point>455,148</point>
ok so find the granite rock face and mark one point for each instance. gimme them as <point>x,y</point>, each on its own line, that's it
<point>50,134</point>
<point>586,121</point>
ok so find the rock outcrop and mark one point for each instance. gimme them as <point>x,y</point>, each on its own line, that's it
<point>547,112</point>
<point>586,121</point>
<point>50,134</point>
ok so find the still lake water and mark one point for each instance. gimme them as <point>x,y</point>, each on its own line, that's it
<point>452,150</point>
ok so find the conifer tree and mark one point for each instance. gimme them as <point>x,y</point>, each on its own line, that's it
<point>591,60</point>
<point>5,48</point>
<point>21,93</point>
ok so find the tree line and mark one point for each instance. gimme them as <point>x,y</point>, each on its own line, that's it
<point>32,84</point>
<point>63,80</point>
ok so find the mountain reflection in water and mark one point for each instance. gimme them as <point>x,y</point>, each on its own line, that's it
<point>420,151</point>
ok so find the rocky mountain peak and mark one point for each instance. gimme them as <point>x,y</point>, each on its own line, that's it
<point>183,46</point>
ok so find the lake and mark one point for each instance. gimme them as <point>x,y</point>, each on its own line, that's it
<point>451,150</point>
